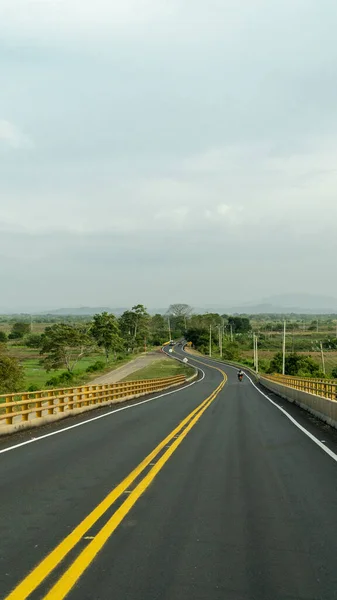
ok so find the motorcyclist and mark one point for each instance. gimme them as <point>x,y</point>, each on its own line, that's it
<point>240,374</point>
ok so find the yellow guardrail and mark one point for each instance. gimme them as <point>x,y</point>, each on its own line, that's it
<point>326,388</point>
<point>56,401</point>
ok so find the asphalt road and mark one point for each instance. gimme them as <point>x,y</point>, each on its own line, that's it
<point>236,504</point>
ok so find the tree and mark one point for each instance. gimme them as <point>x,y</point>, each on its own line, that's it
<point>158,329</point>
<point>3,337</point>
<point>231,351</point>
<point>179,310</point>
<point>105,330</point>
<point>295,365</point>
<point>200,338</point>
<point>134,325</point>
<point>11,374</point>
<point>64,345</point>
<point>334,373</point>
<point>239,324</point>
<point>19,330</point>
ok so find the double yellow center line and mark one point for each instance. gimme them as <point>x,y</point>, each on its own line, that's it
<point>66,582</point>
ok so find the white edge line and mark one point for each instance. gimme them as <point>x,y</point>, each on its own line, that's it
<point>108,414</point>
<point>296,423</point>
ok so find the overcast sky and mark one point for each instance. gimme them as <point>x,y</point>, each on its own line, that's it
<point>166,150</point>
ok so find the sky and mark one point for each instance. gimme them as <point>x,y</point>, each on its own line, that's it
<point>161,151</point>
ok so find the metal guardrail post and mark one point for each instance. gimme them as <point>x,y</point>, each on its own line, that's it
<point>9,410</point>
<point>38,405</point>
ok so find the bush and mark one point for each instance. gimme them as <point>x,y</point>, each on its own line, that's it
<point>52,382</point>
<point>33,388</point>
<point>231,351</point>
<point>97,366</point>
<point>3,337</point>
<point>34,340</point>
<point>334,373</point>
<point>65,377</point>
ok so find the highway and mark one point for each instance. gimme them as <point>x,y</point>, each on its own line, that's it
<point>208,492</point>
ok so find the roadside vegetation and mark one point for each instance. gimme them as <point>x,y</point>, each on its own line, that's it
<point>311,344</point>
<point>41,351</point>
<point>160,369</point>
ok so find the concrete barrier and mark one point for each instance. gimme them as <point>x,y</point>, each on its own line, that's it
<point>323,408</point>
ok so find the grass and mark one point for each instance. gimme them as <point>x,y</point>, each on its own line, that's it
<point>161,368</point>
<point>35,375</point>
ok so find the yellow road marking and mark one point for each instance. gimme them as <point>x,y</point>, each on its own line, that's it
<point>85,558</point>
<point>50,562</point>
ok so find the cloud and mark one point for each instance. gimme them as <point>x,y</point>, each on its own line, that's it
<point>50,20</point>
<point>213,124</point>
<point>11,136</point>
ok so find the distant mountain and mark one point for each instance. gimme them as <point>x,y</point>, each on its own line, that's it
<point>308,301</point>
<point>290,303</point>
<point>279,304</point>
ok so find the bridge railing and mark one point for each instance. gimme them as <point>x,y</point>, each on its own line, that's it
<point>326,388</point>
<point>25,406</point>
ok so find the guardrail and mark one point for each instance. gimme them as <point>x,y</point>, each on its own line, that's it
<point>326,388</point>
<point>52,402</point>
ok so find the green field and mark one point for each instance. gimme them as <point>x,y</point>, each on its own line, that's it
<point>35,375</point>
<point>161,368</point>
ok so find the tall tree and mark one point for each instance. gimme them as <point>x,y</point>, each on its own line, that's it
<point>63,345</point>
<point>134,325</point>
<point>105,330</point>
<point>180,310</point>
<point>158,329</point>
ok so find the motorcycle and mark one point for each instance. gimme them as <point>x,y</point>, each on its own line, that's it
<point>240,376</point>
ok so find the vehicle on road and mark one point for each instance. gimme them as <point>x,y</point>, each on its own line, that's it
<point>240,375</point>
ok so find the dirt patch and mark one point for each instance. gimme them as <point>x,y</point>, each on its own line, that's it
<point>131,367</point>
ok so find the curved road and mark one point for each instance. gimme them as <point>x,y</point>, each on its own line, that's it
<point>205,493</point>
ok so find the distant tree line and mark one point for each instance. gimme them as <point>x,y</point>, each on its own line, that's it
<point>66,340</point>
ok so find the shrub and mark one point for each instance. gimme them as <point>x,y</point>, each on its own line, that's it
<point>33,388</point>
<point>65,377</point>
<point>231,351</point>
<point>33,340</point>
<point>52,382</point>
<point>3,337</point>
<point>97,366</point>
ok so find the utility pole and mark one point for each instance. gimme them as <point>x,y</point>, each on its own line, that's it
<point>231,327</point>
<point>169,327</point>
<point>210,340</point>
<point>284,349</point>
<point>254,350</point>
<point>256,355</point>
<point>220,340</point>
<point>323,361</point>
